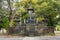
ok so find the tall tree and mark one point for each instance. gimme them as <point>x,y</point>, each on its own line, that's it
<point>11,15</point>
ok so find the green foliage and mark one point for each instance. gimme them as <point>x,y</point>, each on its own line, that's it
<point>4,18</point>
<point>41,7</point>
<point>4,23</point>
<point>48,8</point>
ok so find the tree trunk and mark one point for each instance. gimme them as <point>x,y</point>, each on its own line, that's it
<point>11,17</point>
<point>51,30</point>
<point>51,27</point>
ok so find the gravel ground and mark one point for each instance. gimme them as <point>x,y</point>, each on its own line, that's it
<point>31,38</point>
<point>10,37</point>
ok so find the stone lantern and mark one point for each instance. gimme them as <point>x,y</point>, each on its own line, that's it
<point>30,11</point>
